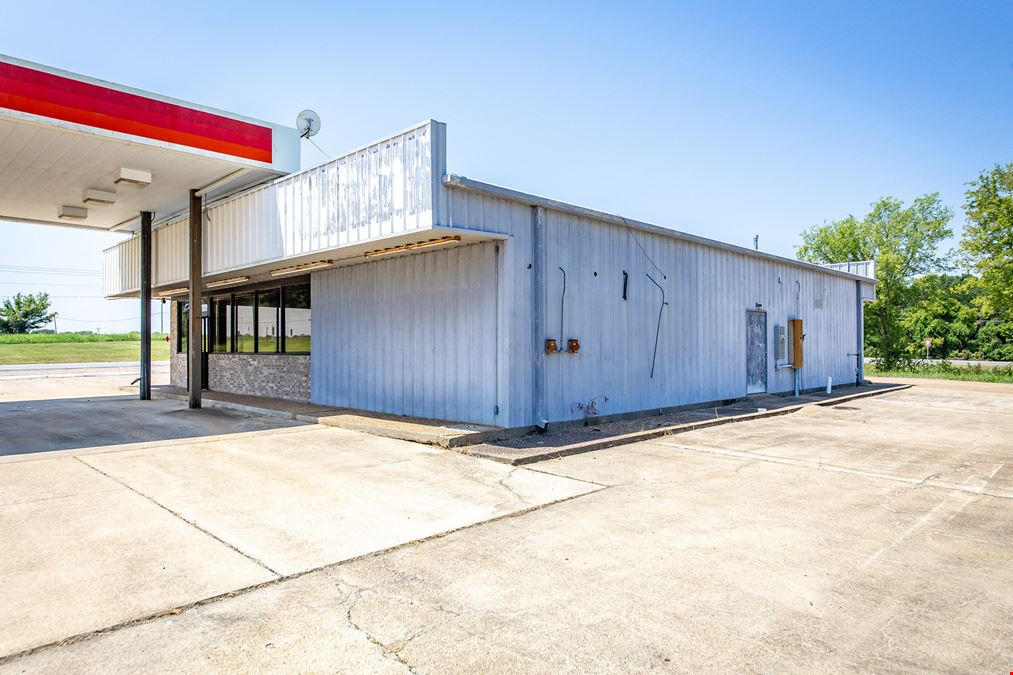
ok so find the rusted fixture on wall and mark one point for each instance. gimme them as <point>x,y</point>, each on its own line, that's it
<point>573,345</point>
<point>550,346</point>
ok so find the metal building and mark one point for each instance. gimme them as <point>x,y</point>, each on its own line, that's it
<point>380,281</point>
<point>437,296</point>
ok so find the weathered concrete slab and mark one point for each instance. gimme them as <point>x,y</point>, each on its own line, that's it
<point>744,554</point>
<point>299,627</point>
<point>42,415</point>
<point>82,553</point>
<point>922,435</point>
<point>301,500</point>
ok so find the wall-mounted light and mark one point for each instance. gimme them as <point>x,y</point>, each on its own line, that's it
<point>412,247</point>
<point>295,269</point>
<point>93,196</point>
<point>174,291</point>
<point>133,177</point>
<point>226,282</point>
<point>68,212</point>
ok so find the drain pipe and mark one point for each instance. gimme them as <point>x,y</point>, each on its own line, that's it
<point>538,316</point>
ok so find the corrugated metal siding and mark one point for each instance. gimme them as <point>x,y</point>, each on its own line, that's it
<point>121,267</point>
<point>863,268</point>
<point>414,335</point>
<point>702,345</point>
<point>516,382</point>
<point>382,189</point>
<point>171,253</point>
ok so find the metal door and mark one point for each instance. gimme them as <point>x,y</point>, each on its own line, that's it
<point>204,346</point>
<point>756,351</point>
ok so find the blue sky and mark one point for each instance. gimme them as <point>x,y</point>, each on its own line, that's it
<point>725,119</point>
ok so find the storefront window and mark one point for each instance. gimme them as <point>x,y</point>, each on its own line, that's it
<point>296,316</point>
<point>182,326</point>
<point>267,321</point>
<point>245,323</point>
<point>221,317</point>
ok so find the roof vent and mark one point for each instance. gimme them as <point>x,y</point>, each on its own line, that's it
<point>92,196</point>
<point>133,177</point>
<point>68,212</point>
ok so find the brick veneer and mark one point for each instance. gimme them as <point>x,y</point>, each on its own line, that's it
<point>284,376</point>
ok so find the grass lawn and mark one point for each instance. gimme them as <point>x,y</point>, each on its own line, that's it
<point>75,352</point>
<point>946,371</point>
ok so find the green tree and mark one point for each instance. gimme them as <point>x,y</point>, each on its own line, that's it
<point>24,313</point>
<point>987,241</point>
<point>904,242</point>
<point>941,308</point>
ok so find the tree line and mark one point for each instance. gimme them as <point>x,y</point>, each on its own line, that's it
<point>960,300</point>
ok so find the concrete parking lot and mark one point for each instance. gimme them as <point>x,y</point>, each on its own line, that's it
<point>873,535</point>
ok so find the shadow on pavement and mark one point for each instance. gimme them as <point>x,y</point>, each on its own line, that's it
<point>71,423</point>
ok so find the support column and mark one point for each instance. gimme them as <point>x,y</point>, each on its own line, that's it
<point>195,340</point>
<point>860,331</point>
<point>145,389</point>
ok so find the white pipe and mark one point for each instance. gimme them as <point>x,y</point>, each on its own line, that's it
<point>830,383</point>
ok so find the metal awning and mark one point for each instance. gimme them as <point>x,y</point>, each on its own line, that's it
<point>63,135</point>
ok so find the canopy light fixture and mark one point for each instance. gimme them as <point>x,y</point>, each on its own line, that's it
<point>68,212</point>
<point>295,269</point>
<point>173,291</point>
<point>226,282</point>
<point>412,247</point>
<point>133,178</point>
<point>92,196</point>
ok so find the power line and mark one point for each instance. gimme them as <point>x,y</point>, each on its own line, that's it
<point>48,283</point>
<point>64,318</point>
<point>27,269</point>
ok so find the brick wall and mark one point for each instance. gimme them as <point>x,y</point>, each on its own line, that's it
<point>275,375</point>
<point>284,376</point>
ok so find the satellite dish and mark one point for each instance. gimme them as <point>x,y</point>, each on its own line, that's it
<point>308,123</point>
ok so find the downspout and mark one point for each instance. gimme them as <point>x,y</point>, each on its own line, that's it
<point>538,316</point>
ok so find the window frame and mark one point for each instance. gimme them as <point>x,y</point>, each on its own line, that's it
<point>282,304</point>
<point>212,301</point>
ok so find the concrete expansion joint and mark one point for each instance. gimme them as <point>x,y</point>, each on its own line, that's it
<point>279,578</point>
<point>183,518</point>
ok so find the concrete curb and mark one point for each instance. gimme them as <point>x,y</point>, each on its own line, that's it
<point>463,442</point>
<point>440,439</point>
<point>637,436</point>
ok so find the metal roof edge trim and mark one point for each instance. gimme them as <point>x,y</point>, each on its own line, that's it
<point>263,185</point>
<point>463,183</point>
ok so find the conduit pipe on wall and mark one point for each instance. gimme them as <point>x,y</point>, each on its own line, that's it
<point>562,306</point>
<point>657,333</point>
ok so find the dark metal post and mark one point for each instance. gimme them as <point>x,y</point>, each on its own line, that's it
<point>194,342</point>
<point>145,391</point>
<point>859,334</point>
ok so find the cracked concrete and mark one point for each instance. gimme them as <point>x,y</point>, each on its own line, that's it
<point>875,538</point>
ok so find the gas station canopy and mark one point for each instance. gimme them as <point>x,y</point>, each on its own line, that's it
<point>83,152</point>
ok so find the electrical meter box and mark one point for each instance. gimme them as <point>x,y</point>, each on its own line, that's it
<point>797,337</point>
<point>780,346</point>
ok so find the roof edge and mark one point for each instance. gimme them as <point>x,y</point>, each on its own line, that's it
<point>468,184</point>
